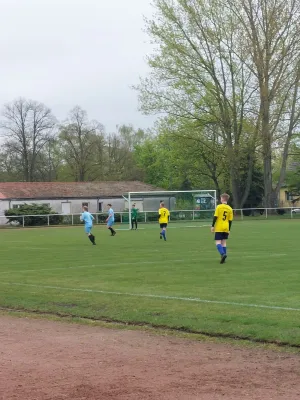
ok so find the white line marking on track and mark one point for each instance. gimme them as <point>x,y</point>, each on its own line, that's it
<point>153,296</point>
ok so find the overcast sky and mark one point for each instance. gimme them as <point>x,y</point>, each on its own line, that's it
<point>76,52</point>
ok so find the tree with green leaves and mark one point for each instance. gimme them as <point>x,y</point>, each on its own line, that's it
<point>199,74</point>
<point>270,31</point>
<point>232,65</point>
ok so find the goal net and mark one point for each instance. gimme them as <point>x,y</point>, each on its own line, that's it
<point>192,206</point>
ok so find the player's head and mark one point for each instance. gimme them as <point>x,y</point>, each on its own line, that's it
<point>109,205</point>
<point>224,198</point>
<point>162,204</point>
<point>133,205</point>
<point>85,208</point>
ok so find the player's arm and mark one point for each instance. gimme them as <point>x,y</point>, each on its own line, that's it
<point>93,218</point>
<point>230,219</point>
<point>159,213</point>
<point>214,220</point>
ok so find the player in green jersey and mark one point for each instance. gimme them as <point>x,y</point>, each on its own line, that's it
<point>134,216</point>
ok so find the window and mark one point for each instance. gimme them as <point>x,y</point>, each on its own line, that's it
<point>17,205</point>
<point>100,207</point>
<point>290,196</point>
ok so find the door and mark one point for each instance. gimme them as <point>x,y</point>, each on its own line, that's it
<point>66,208</point>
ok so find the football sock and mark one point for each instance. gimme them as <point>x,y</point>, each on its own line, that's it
<point>224,250</point>
<point>90,238</point>
<point>111,229</point>
<point>220,249</point>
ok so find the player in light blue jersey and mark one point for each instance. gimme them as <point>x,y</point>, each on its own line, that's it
<point>88,219</point>
<point>110,220</point>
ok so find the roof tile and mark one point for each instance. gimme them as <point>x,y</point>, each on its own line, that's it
<point>48,190</point>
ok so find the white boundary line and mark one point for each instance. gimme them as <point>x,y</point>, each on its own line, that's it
<point>138,263</point>
<point>154,296</point>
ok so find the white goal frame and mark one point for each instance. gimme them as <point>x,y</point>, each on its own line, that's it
<point>211,192</point>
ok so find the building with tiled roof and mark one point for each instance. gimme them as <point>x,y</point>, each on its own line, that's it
<point>68,197</point>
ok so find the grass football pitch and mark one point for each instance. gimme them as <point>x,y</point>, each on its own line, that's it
<point>137,278</point>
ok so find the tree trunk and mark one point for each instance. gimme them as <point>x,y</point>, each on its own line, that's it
<point>267,157</point>
<point>249,179</point>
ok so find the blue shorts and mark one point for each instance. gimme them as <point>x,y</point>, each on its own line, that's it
<point>88,228</point>
<point>110,223</point>
<point>221,235</point>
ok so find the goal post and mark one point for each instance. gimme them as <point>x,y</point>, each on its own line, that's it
<point>184,206</point>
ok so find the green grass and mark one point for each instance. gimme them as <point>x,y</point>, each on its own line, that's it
<point>57,270</point>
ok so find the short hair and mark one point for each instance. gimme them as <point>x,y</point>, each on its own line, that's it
<point>225,196</point>
<point>109,205</point>
<point>85,208</point>
<point>162,203</point>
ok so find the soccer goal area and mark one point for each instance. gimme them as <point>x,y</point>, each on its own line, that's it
<point>184,206</point>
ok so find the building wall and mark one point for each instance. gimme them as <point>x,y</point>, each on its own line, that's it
<point>74,206</point>
<point>60,205</point>
<point>4,205</point>
<point>285,198</point>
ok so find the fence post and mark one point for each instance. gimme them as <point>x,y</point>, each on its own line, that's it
<point>23,218</point>
<point>193,215</point>
<point>242,214</point>
<point>121,218</point>
<point>72,219</point>
<point>145,216</point>
<point>266,213</point>
<point>48,220</point>
<point>292,213</point>
<point>97,219</point>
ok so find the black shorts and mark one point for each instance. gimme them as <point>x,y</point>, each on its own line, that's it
<point>221,235</point>
<point>163,225</point>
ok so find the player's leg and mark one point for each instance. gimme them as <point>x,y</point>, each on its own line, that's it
<point>163,232</point>
<point>92,238</point>
<point>218,239</point>
<point>224,245</point>
<point>109,226</point>
<point>135,224</point>
<point>89,234</point>
<point>132,223</point>
<point>219,245</point>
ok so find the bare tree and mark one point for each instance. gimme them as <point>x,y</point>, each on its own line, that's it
<point>80,139</point>
<point>26,127</point>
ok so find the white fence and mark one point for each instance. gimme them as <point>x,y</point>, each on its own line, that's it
<point>150,217</point>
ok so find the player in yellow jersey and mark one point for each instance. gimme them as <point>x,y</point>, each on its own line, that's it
<point>221,225</point>
<point>164,215</point>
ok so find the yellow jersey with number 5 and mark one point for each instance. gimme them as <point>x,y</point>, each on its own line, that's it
<point>224,214</point>
<point>163,215</point>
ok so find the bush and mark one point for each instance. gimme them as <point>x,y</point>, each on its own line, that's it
<point>280,211</point>
<point>33,215</point>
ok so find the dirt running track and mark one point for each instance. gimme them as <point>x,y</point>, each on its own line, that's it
<point>43,360</point>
